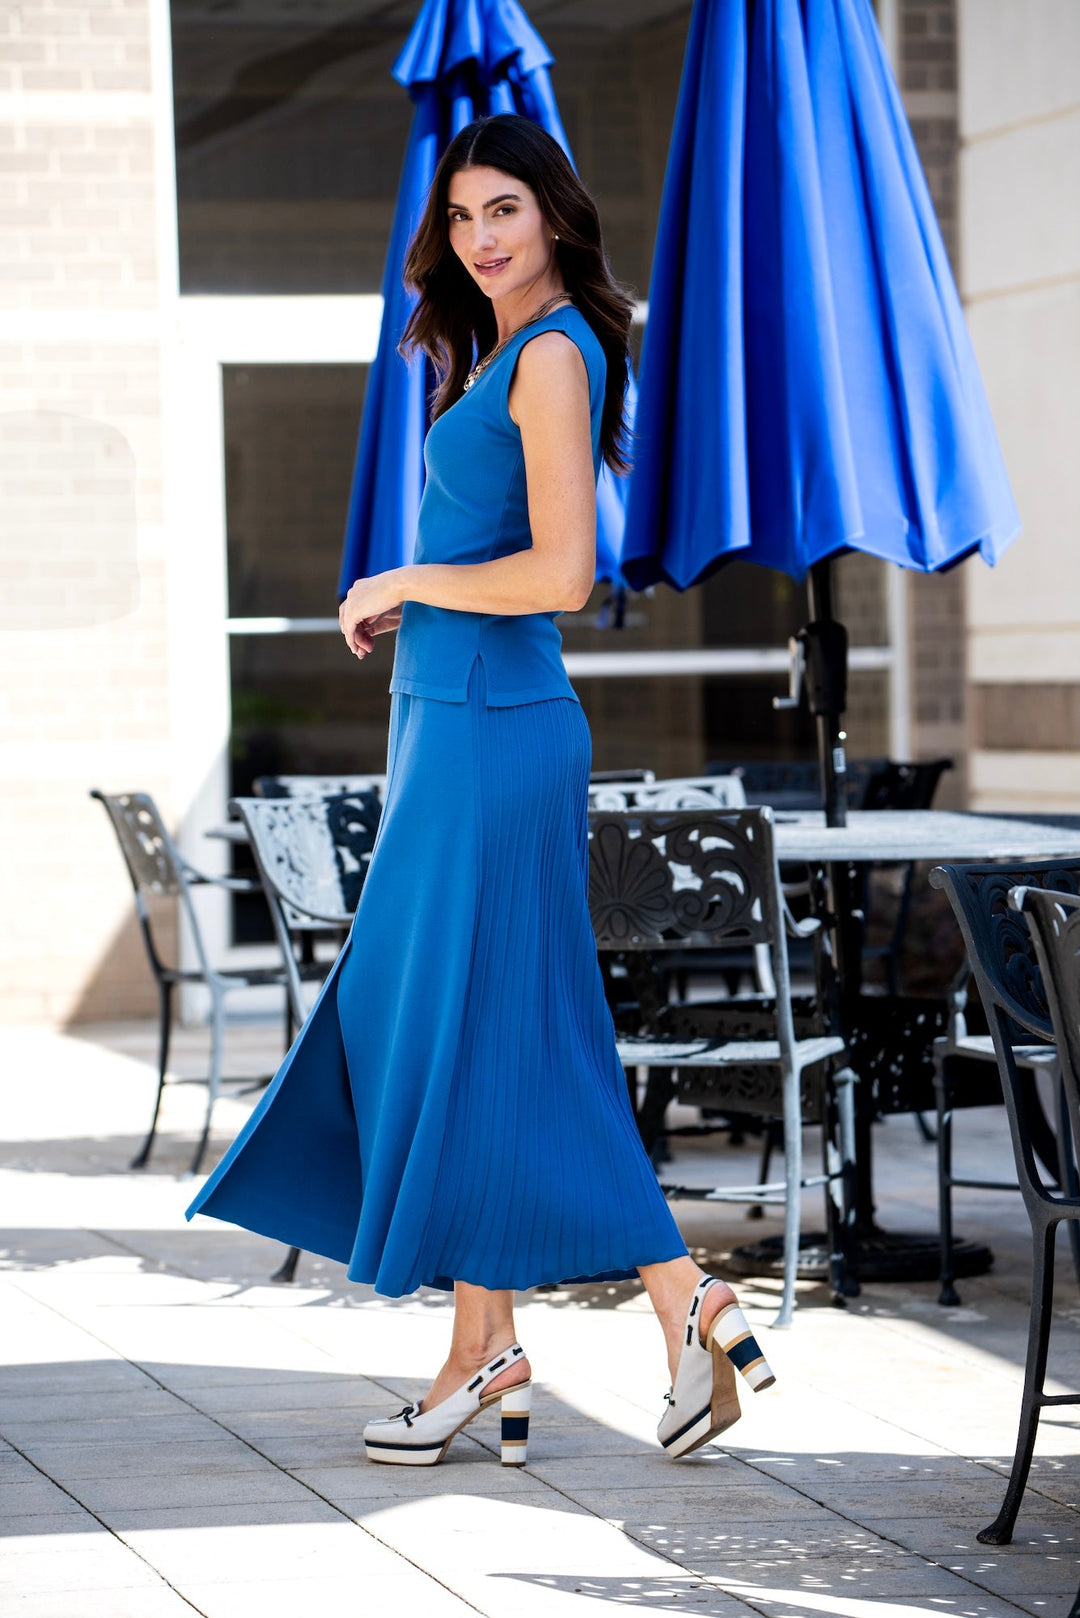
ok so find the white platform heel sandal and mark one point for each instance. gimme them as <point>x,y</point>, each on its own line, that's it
<point>416,1437</point>
<point>703,1401</point>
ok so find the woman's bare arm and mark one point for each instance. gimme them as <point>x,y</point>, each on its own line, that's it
<point>549,401</point>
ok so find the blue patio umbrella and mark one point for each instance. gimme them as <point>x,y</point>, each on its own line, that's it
<point>808,386</point>
<point>464,59</point>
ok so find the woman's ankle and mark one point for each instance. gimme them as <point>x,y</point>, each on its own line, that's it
<point>474,1353</point>
<point>670,1290</point>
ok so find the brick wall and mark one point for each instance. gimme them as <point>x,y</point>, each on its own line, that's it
<point>83,631</point>
<point>75,45</point>
<point>927,74</point>
<point>79,228</point>
<point>1020,136</point>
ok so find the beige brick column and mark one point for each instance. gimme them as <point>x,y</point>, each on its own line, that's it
<point>1020,174</point>
<point>926,72</point>
<point>87,295</point>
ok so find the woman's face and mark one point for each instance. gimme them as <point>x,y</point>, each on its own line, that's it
<point>498,231</point>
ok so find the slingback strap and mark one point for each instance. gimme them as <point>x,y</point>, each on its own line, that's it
<point>492,1369</point>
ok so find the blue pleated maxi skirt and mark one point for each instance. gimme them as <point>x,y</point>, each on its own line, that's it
<point>454,1107</point>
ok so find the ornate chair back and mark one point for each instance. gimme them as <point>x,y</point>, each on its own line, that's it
<point>704,878</point>
<point>155,866</point>
<point>795,783</point>
<point>1054,922</point>
<point>683,792</point>
<point>312,856</point>
<point>312,853</point>
<point>1000,951</point>
<point>903,786</point>
<point>1002,960</point>
<point>599,777</point>
<point>316,786</point>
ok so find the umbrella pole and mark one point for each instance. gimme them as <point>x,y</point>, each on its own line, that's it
<point>825,644</point>
<point>825,649</point>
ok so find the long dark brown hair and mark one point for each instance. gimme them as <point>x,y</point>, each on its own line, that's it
<point>453,321</point>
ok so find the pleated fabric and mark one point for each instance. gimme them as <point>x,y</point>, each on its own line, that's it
<point>462,1039</point>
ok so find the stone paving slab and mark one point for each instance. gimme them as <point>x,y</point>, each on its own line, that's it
<point>191,1433</point>
<point>104,1462</point>
<point>403,1593</point>
<point>75,1563</point>
<point>128,1601</point>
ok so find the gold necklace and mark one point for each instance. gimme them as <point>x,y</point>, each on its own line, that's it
<point>544,309</point>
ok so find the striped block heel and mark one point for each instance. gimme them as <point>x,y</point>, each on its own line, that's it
<point>730,1334</point>
<point>704,1399</point>
<point>515,1424</point>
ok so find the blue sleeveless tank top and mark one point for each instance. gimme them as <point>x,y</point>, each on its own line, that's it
<point>474,509</point>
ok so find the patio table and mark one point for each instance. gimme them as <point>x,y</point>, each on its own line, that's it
<point>897,835</point>
<point>888,834</point>
<point>922,834</point>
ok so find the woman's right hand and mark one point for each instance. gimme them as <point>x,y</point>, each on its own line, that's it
<point>384,622</point>
<point>368,628</point>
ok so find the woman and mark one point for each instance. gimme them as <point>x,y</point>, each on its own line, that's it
<point>454,1113</point>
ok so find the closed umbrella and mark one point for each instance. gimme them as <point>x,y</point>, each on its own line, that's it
<point>807,384</point>
<point>464,59</point>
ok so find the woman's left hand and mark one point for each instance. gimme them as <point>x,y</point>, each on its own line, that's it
<point>368,601</point>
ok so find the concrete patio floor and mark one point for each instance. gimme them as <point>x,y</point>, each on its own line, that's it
<point>181,1436</point>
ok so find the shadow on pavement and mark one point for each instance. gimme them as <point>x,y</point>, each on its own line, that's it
<point>155,1449</point>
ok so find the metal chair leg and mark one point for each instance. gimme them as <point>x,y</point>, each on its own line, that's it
<point>217,1042</point>
<point>948,1295</point>
<point>835,1200</point>
<point>899,932</point>
<point>792,1193</point>
<point>771,1139</point>
<point>286,1271</point>
<point>1000,1531</point>
<point>924,1128</point>
<point>845,1081</point>
<point>1068,1179</point>
<point>290,1024</point>
<point>165,994</point>
<point>659,1089</point>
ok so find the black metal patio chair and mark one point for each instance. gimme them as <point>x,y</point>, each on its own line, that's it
<point>1054,922</point>
<point>894,785</point>
<point>793,783</point>
<point>157,869</point>
<point>316,786</point>
<point>676,792</point>
<point>872,783</point>
<point>665,881</point>
<point>686,792</point>
<point>312,856</point>
<point>328,786</point>
<point>973,1069</point>
<point>597,777</point>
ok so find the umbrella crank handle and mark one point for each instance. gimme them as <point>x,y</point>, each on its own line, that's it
<point>796,673</point>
